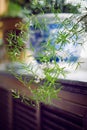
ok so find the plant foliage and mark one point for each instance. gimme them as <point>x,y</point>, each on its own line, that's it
<point>47,78</point>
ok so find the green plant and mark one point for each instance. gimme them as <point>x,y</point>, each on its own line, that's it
<point>14,10</point>
<point>46,79</point>
<point>69,8</point>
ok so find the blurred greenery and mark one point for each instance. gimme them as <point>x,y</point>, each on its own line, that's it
<point>0,41</point>
<point>69,8</point>
<point>14,9</point>
<point>39,6</point>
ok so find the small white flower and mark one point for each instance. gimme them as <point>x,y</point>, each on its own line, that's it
<point>37,80</point>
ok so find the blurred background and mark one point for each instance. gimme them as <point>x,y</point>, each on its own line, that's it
<point>13,11</point>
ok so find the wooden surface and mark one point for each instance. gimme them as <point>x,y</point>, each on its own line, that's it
<point>69,98</point>
<point>69,111</point>
<point>6,112</point>
<point>53,118</point>
<point>8,81</point>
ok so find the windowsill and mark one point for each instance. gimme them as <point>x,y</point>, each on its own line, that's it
<point>79,75</point>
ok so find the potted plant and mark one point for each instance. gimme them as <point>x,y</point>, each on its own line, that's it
<point>51,53</point>
<point>9,19</point>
